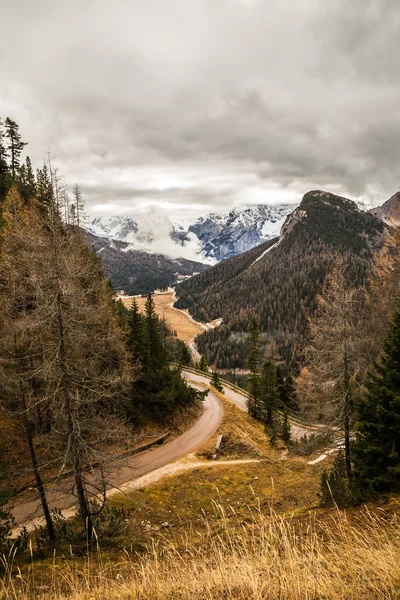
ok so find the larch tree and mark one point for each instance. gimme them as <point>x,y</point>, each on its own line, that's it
<point>333,353</point>
<point>86,362</point>
<point>78,205</point>
<point>21,349</point>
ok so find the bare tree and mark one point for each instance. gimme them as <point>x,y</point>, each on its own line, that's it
<point>85,352</point>
<point>333,356</point>
<point>21,330</point>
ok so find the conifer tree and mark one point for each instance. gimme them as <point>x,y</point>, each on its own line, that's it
<point>216,382</point>
<point>376,452</point>
<point>3,166</point>
<point>268,393</point>
<point>333,355</point>
<point>15,145</point>
<point>185,358</point>
<point>287,391</point>
<point>26,181</point>
<point>137,341</point>
<point>203,364</point>
<point>78,206</point>
<point>21,331</point>
<point>253,363</point>
<point>286,429</point>
<point>157,354</point>
<point>334,486</point>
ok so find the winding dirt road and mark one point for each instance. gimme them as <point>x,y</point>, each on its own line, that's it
<point>123,474</point>
<point>27,506</point>
<point>297,429</point>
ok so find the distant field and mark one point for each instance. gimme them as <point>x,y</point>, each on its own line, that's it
<point>178,320</point>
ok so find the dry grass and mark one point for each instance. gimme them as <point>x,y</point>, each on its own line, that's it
<point>272,557</point>
<point>177,320</point>
<point>244,437</point>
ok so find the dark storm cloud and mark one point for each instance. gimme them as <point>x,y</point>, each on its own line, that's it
<point>196,105</point>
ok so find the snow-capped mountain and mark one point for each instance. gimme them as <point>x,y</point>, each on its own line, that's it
<point>208,239</point>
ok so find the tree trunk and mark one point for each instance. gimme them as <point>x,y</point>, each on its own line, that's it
<point>347,412</point>
<point>39,482</point>
<point>76,462</point>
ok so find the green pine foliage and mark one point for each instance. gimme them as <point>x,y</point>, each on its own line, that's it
<point>216,382</point>
<point>376,452</point>
<point>286,429</point>
<point>280,290</point>
<point>203,366</point>
<point>159,390</point>
<point>269,400</point>
<point>335,487</point>
<point>287,391</point>
<point>253,362</point>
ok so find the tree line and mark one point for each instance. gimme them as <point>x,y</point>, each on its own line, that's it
<point>73,367</point>
<point>280,290</point>
<point>351,373</point>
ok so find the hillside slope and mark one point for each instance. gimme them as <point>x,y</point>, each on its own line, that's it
<point>280,288</point>
<point>138,272</point>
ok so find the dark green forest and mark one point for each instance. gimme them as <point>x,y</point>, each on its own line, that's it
<point>281,288</point>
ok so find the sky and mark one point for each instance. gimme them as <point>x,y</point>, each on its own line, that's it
<point>192,106</point>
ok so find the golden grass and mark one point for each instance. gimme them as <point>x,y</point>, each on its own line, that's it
<point>177,320</point>
<point>244,437</point>
<point>272,557</point>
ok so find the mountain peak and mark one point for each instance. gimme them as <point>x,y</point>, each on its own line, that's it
<point>319,197</point>
<point>389,212</point>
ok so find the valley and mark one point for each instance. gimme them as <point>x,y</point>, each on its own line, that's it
<point>178,320</point>
<point>199,300</point>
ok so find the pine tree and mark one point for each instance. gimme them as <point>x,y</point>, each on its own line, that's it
<point>26,181</point>
<point>334,486</point>
<point>216,382</point>
<point>286,429</point>
<point>3,166</point>
<point>137,341</point>
<point>268,393</point>
<point>254,342</point>
<point>253,362</point>
<point>376,452</point>
<point>185,358</point>
<point>287,391</point>
<point>15,144</point>
<point>157,354</point>
<point>203,364</point>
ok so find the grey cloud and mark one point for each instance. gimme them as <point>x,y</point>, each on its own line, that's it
<point>204,104</point>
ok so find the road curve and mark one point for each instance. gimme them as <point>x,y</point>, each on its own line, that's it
<point>27,507</point>
<point>297,429</point>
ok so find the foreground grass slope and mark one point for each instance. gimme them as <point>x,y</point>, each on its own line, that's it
<point>334,557</point>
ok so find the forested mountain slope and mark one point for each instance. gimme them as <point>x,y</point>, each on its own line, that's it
<point>138,272</point>
<point>280,288</point>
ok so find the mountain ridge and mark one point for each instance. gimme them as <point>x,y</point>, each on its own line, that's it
<point>209,239</point>
<point>278,281</point>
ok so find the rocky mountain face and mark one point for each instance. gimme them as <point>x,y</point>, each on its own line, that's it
<point>278,281</point>
<point>389,212</point>
<point>138,272</point>
<point>209,239</point>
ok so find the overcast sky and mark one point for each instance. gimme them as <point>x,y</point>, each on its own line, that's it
<point>198,105</point>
